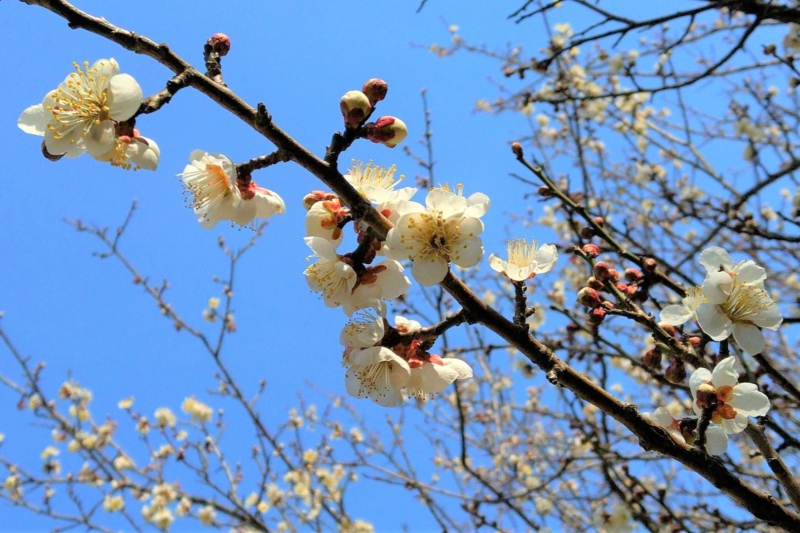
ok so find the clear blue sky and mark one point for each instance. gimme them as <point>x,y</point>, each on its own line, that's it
<point>85,318</point>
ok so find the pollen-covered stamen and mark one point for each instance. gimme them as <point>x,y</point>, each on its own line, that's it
<point>745,302</point>
<point>82,104</point>
<point>434,233</point>
<point>209,187</point>
<point>520,253</point>
<point>369,174</point>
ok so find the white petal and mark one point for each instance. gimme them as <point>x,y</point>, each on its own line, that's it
<point>124,97</point>
<point>478,204</point>
<point>715,257</point>
<point>268,203</point>
<point>724,374</point>
<point>429,271</point>
<point>322,247</point>
<point>447,203</point>
<point>769,318</point>
<point>716,440</point>
<point>34,120</point>
<point>749,338</point>
<point>675,315</point>
<point>717,287</point>
<point>748,400</point>
<point>699,376</point>
<point>735,425</point>
<point>546,257</point>
<point>714,322</point>
<point>497,264</point>
<point>749,272</point>
<point>518,273</point>
<point>468,252</point>
<point>100,138</point>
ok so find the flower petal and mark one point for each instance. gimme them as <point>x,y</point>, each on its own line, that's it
<point>716,440</point>
<point>749,272</point>
<point>715,257</point>
<point>724,374</point>
<point>468,252</point>
<point>713,321</point>
<point>699,376</point>
<point>717,287</point>
<point>124,97</point>
<point>429,271</point>
<point>749,338</point>
<point>33,120</point>
<point>748,400</point>
<point>675,315</point>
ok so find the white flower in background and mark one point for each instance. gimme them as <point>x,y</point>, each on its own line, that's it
<point>525,260</point>
<point>379,374</point>
<point>434,375</point>
<point>329,274</point>
<point>377,184</point>
<point>364,330</point>
<point>737,302</point>
<point>323,218</point>
<point>81,113</point>
<point>619,521</point>
<point>734,401</point>
<point>134,152</point>
<point>257,203</point>
<point>447,229</point>
<point>716,438</point>
<point>382,281</point>
<point>675,315</point>
<point>211,178</point>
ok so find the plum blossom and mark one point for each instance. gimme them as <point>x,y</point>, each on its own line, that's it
<point>384,280</point>
<point>331,276</point>
<point>619,521</point>
<point>257,203</point>
<point>525,260</point>
<point>716,438</point>
<point>379,374</point>
<point>323,219</point>
<point>211,178</point>
<point>377,184</point>
<point>81,114</point>
<point>732,401</point>
<point>446,229</point>
<point>434,375</point>
<point>364,330</point>
<point>132,152</point>
<point>737,302</point>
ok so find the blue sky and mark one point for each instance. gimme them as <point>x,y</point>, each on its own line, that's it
<point>85,318</point>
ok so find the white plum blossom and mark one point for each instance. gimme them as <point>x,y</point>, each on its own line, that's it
<point>716,438</point>
<point>434,375</point>
<point>379,374</point>
<point>737,302</point>
<point>322,220</point>
<point>618,521</point>
<point>364,330</point>
<point>733,401</point>
<point>81,114</point>
<point>446,229</point>
<point>675,315</point>
<point>135,153</point>
<point>384,280</point>
<point>256,203</point>
<point>525,260</point>
<point>330,275</point>
<point>211,178</point>
<point>377,184</point>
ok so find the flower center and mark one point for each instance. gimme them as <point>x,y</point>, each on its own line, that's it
<point>82,103</point>
<point>745,302</point>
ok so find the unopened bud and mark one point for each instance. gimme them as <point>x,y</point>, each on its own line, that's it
<point>652,359</point>
<point>669,328</point>
<point>586,232</point>
<point>517,149</point>
<point>317,196</point>
<point>633,274</point>
<point>595,283</point>
<point>613,275</point>
<point>544,191</point>
<point>676,371</point>
<point>572,327</point>
<point>769,50</point>
<point>220,43</point>
<point>588,297</point>
<point>694,341</point>
<point>794,82</point>
<point>375,89</point>
<point>389,131</point>
<point>601,270</point>
<point>591,250</point>
<point>650,265</point>
<point>600,221</point>
<point>624,288</point>
<point>355,107</point>
<point>597,315</point>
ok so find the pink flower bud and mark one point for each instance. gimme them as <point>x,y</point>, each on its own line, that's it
<point>591,250</point>
<point>669,328</point>
<point>624,288</point>
<point>317,196</point>
<point>601,270</point>
<point>599,221</point>
<point>220,43</point>
<point>588,297</point>
<point>650,265</point>
<point>613,275</point>
<point>355,107</point>
<point>375,89</point>
<point>586,232</point>
<point>694,341</point>
<point>389,131</point>
<point>633,274</point>
<point>595,283</point>
<point>517,149</point>
<point>597,315</point>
